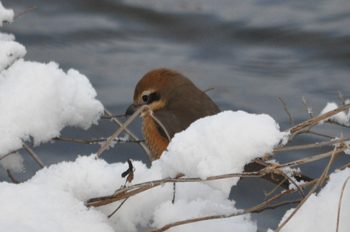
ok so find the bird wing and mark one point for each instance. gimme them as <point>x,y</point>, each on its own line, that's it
<point>171,123</point>
<point>180,114</point>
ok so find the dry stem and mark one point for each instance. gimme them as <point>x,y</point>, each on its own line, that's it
<point>317,119</point>
<point>340,200</point>
<point>319,182</point>
<point>110,140</point>
<point>32,153</point>
<point>142,144</point>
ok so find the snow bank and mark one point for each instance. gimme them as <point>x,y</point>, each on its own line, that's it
<point>319,213</point>
<point>5,15</point>
<point>221,144</point>
<point>53,201</point>
<point>9,50</point>
<point>38,100</point>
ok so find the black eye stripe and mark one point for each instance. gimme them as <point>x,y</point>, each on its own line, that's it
<point>151,97</point>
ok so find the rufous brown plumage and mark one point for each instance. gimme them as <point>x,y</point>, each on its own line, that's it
<point>176,102</point>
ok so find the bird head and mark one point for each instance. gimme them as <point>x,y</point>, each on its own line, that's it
<point>158,89</point>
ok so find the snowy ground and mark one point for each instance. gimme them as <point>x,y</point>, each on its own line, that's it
<point>38,100</point>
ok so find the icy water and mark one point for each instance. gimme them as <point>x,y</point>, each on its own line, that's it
<point>252,52</point>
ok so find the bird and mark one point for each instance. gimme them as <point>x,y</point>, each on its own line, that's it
<point>176,102</point>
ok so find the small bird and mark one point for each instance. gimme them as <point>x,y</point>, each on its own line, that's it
<point>176,102</point>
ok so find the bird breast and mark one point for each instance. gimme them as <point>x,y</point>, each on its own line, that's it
<point>156,142</point>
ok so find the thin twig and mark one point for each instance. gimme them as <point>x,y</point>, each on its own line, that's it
<point>277,205</point>
<point>92,141</point>
<point>317,119</point>
<point>309,110</point>
<point>110,140</point>
<point>12,152</point>
<point>319,182</point>
<point>345,166</point>
<point>113,116</point>
<point>35,157</point>
<point>138,188</point>
<point>109,216</point>
<point>340,200</point>
<point>337,123</point>
<point>308,146</point>
<point>311,159</point>
<point>286,109</point>
<point>161,125</point>
<point>320,134</point>
<point>256,209</point>
<point>19,15</point>
<point>12,178</point>
<point>26,11</point>
<point>295,184</point>
<point>341,98</point>
<point>142,144</point>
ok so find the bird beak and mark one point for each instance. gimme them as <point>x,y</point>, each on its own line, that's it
<point>131,109</point>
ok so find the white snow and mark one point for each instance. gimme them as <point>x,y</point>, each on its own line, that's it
<point>38,100</point>
<point>53,200</point>
<point>319,213</point>
<point>9,50</point>
<point>13,162</point>
<point>341,117</point>
<point>221,144</point>
<point>5,15</point>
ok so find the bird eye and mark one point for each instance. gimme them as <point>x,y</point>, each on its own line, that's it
<point>145,98</point>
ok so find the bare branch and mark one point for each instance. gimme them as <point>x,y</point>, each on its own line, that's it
<point>319,182</point>
<point>256,209</point>
<point>12,152</point>
<point>340,200</point>
<point>309,146</point>
<point>120,130</point>
<point>19,15</point>
<point>121,204</point>
<point>161,125</point>
<point>295,184</point>
<point>312,158</point>
<point>12,178</point>
<point>309,110</point>
<point>92,141</point>
<point>341,98</point>
<point>337,123</point>
<point>317,119</point>
<point>35,157</point>
<point>142,144</point>
<point>113,116</point>
<point>320,134</point>
<point>286,109</point>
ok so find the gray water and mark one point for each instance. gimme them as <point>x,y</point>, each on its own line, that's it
<point>251,52</point>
